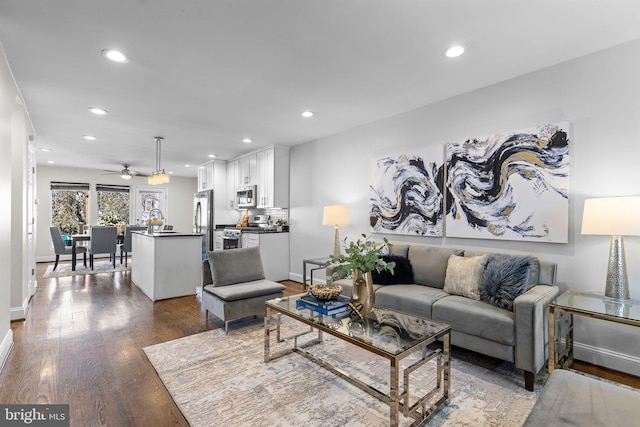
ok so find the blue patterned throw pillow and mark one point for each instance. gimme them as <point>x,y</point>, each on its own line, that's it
<point>505,278</point>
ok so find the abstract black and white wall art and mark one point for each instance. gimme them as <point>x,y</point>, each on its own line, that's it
<point>406,193</point>
<point>510,186</point>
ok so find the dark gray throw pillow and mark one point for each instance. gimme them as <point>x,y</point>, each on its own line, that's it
<point>505,278</point>
<point>402,272</point>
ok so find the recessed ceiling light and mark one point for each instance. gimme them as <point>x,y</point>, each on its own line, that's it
<point>50,161</point>
<point>89,137</point>
<point>454,51</point>
<point>187,166</point>
<point>115,56</point>
<point>247,140</point>
<point>45,149</point>
<point>98,111</point>
<point>170,172</point>
<point>307,114</point>
<point>213,156</point>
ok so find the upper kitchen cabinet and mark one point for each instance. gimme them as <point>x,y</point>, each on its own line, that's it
<point>247,170</point>
<point>273,177</point>
<point>205,176</point>
<point>232,183</point>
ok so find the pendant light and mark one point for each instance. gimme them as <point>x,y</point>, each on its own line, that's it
<point>159,176</point>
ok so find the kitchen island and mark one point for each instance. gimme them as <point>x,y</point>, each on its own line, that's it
<point>166,264</point>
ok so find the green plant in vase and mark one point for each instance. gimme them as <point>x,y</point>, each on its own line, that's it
<point>359,260</point>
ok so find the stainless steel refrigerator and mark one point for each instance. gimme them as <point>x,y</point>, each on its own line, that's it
<point>203,219</point>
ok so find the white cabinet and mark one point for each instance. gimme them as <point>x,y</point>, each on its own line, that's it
<point>232,183</point>
<point>205,176</point>
<point>218,240</point>
<point>250,240</point>
<point>268,170</point>
<point>274,250</point>
<point>247,170</point>
<point>272,168</point>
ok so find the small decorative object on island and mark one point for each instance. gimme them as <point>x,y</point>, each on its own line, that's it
<point>360,259</point>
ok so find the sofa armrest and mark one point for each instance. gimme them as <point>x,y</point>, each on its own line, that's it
<point>334,269</point>
<point>531,311</point>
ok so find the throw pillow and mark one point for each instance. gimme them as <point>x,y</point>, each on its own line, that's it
<point>402,272</point>
<point>464,275</point>
<point>505,278</point>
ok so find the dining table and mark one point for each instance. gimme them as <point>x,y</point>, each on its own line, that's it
<point>75,238</point>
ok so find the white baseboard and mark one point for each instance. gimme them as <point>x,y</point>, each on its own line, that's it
<point>609,359</point>
<point>5,348</point>
<point>298,278</point>
<point>19,313</point>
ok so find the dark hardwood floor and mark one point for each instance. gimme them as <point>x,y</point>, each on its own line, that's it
<point>82,343</point>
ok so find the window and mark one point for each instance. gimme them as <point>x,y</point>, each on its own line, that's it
<point>113,204</point>
<point>69,206</point>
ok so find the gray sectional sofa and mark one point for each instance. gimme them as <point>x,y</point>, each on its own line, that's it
<point>519,336</point>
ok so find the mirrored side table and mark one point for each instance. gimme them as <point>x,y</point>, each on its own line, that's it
<point>587,304</point>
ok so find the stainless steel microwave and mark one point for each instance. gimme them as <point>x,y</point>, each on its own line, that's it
<point>246,197</point>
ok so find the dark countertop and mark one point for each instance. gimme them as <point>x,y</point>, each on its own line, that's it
<point>169,234</point>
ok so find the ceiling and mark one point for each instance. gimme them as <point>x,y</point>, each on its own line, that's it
<point>206,74</point>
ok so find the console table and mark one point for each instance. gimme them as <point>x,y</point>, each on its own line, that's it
<point>587,304</point>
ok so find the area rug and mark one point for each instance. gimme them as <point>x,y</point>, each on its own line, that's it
<point>99,266</point>
<point>219,380</point>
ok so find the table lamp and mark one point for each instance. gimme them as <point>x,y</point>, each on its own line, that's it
<point>616,217</point>
<point>336,215</point>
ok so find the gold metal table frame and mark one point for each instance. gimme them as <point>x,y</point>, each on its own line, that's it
<point>398,398</point>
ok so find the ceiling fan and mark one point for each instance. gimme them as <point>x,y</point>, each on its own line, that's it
<point>125,173</point>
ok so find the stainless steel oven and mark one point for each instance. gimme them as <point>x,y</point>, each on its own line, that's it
<point>231,238</point>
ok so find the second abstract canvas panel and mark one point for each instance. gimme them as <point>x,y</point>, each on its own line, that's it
<point>508,186</point>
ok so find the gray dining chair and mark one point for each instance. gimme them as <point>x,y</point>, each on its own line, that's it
<point>126,247</point>
<point>61,249</point>
<point>103,240</point>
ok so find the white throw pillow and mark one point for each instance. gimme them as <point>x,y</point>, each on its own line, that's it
<point>464,275</point>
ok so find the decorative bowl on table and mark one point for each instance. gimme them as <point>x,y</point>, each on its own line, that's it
<point>326,292</point>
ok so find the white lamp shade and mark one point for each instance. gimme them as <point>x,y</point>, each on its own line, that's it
<point>158,178</point>
<point>612,216</point>
<point>335,215</point>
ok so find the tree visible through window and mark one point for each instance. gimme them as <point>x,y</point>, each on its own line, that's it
<point>113,204</point>
<point>69,206</point>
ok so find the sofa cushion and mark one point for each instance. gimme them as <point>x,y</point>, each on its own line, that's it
<point>464,275</point>
<point>240,291</point>
<point>235,266</point>
<point>505,277</point>
<point>430,264</point>
<point>402,272</point>
<point>411,299</point>
<point>399,249</point>
<point>476,318</point>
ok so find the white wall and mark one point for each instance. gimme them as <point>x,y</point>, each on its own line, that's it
<point>15,127</point>
<point>599,94</point>
<point>180,192</point>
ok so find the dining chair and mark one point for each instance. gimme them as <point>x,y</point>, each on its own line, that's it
<point>126,247</point>
<point>60,248</point>
<point>103,240</point>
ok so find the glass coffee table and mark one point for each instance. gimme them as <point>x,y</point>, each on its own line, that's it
<point>386,333</point>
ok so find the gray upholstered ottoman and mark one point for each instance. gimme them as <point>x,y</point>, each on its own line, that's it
<point>571,399</point>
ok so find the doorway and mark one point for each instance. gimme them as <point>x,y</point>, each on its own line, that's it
<point>147,198</point>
